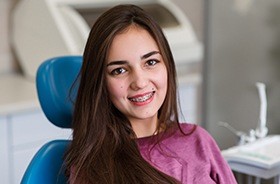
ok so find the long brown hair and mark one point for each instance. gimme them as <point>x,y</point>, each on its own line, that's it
<point>104,148</point>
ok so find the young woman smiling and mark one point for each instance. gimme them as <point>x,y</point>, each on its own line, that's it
<point>125,126</point>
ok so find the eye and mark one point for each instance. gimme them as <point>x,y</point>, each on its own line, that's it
<point>152,62</point>
<point>118,71</point>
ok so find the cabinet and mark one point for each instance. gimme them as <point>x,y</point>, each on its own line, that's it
<point>23,127</point>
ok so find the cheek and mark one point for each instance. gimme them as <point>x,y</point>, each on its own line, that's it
<point>162,85</point>
<point>116,90</point>
<point>161,80</point>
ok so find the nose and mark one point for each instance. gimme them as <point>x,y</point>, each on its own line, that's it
<point>139,80</point>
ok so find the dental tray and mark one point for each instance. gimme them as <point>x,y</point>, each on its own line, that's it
<point>264,153</point>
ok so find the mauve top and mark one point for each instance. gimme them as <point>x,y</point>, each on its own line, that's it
<point>191,159</point>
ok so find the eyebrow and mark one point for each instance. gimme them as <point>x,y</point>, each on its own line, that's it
<point>123,62</point>
<point>145,56</point>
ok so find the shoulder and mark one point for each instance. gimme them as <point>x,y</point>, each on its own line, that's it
<point>193,140</point>
<point>197,135</point>
<point>198,142</point>
<point>195,130</point>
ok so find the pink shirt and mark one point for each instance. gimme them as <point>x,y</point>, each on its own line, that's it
<point>192,159</point>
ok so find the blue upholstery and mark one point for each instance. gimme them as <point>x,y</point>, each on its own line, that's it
<point>45,167</point>
<point>54,80</point>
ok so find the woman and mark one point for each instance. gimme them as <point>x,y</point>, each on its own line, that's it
<point>125,125</point>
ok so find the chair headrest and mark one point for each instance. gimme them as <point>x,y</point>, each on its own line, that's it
<point>54,80</point>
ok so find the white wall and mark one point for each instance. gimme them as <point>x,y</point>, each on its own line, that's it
<point>6,60</point>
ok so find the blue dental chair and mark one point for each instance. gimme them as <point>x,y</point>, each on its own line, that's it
<point>54,80</point>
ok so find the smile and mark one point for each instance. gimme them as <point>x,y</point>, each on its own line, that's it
<point>142,98</point>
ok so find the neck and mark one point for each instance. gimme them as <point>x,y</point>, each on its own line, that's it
<point>144,127</point>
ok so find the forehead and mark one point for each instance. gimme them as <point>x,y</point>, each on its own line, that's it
<point>133,41</point>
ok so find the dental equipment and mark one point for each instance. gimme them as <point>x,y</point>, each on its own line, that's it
<point>261,130</point>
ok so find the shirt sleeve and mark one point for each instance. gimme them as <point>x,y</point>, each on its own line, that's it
<point>220,170</point>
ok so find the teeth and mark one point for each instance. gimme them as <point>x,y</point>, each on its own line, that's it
<point>142,98</point>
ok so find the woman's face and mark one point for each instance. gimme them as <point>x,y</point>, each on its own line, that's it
<point>137,78</point>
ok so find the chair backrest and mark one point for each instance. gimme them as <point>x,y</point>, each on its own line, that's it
<point>54,82</point>
<point>46,166</point>
<point>56,93</point>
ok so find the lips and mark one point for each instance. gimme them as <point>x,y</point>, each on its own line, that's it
<point>142,98</point>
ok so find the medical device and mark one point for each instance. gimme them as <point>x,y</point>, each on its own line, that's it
<point>261,129</point>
